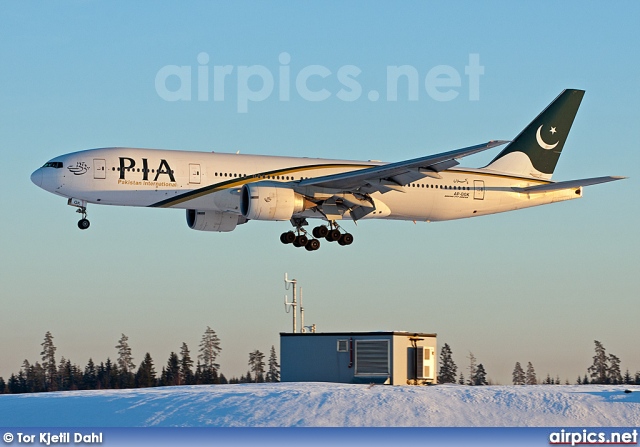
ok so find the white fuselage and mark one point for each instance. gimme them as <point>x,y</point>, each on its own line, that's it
<point>211,181</point>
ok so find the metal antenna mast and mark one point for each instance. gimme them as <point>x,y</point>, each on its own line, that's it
<point>293,304</point>
<point>302,328</point>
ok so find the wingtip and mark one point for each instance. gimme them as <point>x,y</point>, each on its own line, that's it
<point>494,143</point>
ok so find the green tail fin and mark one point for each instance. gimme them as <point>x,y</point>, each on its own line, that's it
<point>535,151</point>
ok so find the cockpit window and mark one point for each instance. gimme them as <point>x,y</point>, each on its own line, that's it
<point>53,164</point>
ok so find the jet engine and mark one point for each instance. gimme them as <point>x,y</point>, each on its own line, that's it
<point>265,201</point>
<point>213,220</point>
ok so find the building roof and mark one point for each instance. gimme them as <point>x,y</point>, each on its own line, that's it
<point>349,334</point>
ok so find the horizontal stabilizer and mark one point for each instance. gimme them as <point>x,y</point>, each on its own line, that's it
<point>567,185</point>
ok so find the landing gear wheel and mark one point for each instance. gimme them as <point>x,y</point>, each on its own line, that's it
<point>83,224</point>
<point>333,235</point>
<point>320,232</point>
<point>301,241</point>
<point>312,245</point>
<point>288,237</point>
<point>345,239</point>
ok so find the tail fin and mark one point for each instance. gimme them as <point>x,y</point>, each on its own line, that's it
<point>535,151</point>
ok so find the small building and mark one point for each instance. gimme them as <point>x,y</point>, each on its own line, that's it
<point>396,358</point>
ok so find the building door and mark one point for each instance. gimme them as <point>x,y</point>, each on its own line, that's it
<point>99,168</point>
<point>194,173</point>
<point>478,189</point>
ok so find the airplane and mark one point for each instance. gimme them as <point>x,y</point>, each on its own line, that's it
<point>220,191</point>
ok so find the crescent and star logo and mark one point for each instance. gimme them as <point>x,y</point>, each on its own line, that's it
<point>541,142</point>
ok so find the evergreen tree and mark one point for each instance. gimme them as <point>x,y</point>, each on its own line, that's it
<point>15,383</point>
<point>49,362</point>
<point>548,380</point>
<point>579,381</point>
<point>613,371</point>
<point>171,373</point>
<point>125,359</point>
<point>628,380</point>
<point>519,377</point>
<point>448,369</point>
<point>3,386</point>
<point>223,379</point>
<point>472,368</point>
<point>585,380</point>
<point>126,367</point>
<point>480,377</point>
<point>209,350</point>
<point>599,369</point>
<point>461,380</point>
<point>273,375</point>
<point>146,374</point>
<point>64,377</point>
<point>637,378</point>
<point>256,365</point>
<point>186,366</point>
<point>90,376</point>
<point>530,377</point>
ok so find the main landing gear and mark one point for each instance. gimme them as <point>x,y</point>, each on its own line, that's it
<point>83,223</point>
<point>299,237</point>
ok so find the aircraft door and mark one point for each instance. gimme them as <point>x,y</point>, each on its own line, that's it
<point>99,168</point>
<point>194,173</point>
<point>478,189</point>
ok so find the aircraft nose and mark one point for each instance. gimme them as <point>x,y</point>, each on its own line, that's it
<point>36,177</point>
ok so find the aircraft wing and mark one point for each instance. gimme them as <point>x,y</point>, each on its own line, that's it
<point>393,176</point>
<point>567,185</point>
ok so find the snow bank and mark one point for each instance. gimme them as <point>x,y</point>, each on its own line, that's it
<point>328,405</point>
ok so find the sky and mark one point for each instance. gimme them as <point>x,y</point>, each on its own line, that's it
<point>536,285</point>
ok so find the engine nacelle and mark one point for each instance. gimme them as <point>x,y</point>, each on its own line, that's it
<point>265,201</point>
<point>213,220</point>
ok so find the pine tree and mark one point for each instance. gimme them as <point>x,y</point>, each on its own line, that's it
<point>273,375</point>
<point>480,377</point>
<point>171,373</point>
<point>209,350</point>
<point>448,369</point>
<point>628,380</point>
<point>186,366</point>
<point>585,380</point>
<point>256,365</point>
<point>3,386</point>
<point>598,370</point>
<point>579,381</point>
<point>90,377</point>
<point>519,377</point>
<point>64,378</point>
<point>49,362</point>
<point>613,371</point>
<point>125,363</point>
<point>530,377</point>
<point>146,374</point>
<point>472,368</point>
<point>461,379</point>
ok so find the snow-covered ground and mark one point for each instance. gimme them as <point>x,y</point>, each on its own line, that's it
<point>328,405</point>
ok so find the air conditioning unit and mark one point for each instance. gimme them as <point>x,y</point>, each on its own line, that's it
<point>426,362</point>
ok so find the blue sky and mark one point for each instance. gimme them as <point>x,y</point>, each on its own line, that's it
<point>536,285</point>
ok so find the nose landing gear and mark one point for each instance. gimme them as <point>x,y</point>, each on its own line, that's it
<point>83,223</point>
